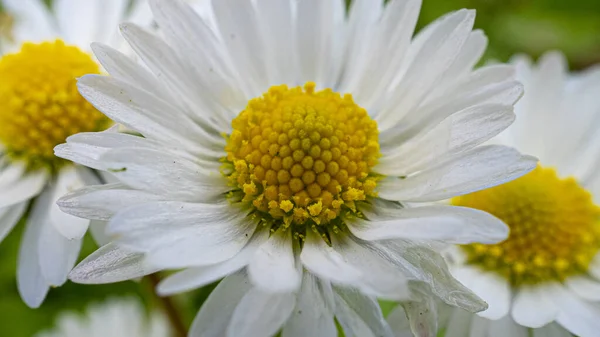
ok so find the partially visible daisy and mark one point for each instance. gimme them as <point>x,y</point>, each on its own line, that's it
<point>548,270</point>
<point>116,317</point>
<point>43,54</point>
<point>259,165</point>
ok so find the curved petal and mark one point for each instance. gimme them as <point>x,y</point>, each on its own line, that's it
<point>192,278</point>
<point>261,313</point>
<point>109,264</point>
<point>313,314</point>
<point>213,318</point>
<point>71,227</point>
<point>273,267</point>
<point>532,308</point>
<point>452,224</point>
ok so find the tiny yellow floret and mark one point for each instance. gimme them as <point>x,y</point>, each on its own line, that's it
<point>554,228</point>
<point>303,152</point>
<point>39,102</point>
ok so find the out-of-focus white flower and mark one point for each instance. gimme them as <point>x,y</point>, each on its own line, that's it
<point>116,317</point>
<point>44,51</point>
<point>283,141</point>
<point>546,276</point>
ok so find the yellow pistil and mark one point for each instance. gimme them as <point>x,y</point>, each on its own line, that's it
<point>39,102</point>
<point>302,157</point>
<point>554,228</point>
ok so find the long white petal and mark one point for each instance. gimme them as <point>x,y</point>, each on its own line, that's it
<point>273,268</point>
<point>213,318</point>
<point>109,264</point>
<point>261,313</point>
<point>480,168</point>
<point>313,314</point>
<point>459,225</point>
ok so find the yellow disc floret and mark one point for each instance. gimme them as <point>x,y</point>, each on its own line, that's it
<point>39,102</point>
<point>302,156</point>
<point>554,228</point>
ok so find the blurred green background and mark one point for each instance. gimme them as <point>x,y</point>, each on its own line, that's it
<point>513,26</point>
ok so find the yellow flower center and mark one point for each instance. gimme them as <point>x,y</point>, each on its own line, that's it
<point>302,158</point>
<point>39,102</point>
<point>554,228</point>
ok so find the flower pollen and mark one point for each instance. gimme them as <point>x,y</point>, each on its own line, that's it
<point>303,157</point>
<point>554,228</point>
<point>39,102</point>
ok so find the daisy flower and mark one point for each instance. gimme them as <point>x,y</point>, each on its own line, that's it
<point>43,54</point>
<point>283,142</point>
<point>546,275</point>
<point>116,317</point>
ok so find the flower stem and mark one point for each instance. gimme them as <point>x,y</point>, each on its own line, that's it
<point>169,307</point>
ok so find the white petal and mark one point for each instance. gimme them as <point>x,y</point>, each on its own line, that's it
<point>429,62</point>
<point>261,313</point>
<point>379,276</point>
<point>239,28</point>
<point>33,21</point>
<point>125,69</point>
<point>30,282</point>
<point>319,30</point>
<point>482,87</point>
<point>359,315</point>
<point>101,202</point>
<point>577,316</point>
<point>587,288</point>
<point>216,312</point>
<point>479,327</point>
<point>69,226</point>
<point>166,174</point>
<point>551,330</point>
<point>459,323</point>
<point>389,31</point>
<point>429,266</point>
<point>277,27</point>
<point>399,323</point>
<point>179,235</point>
<point>458,133</point>
<point>422,311</point>
<point>98,232</point>
<point>451,224</point>
<point>273,268</point>
<point>27,187</point>
<point>469,55</point>
<point>197,277</point>
<point>77,20</point>
<point>506,327</point>
<point>313,314</point>
<point>109,264</point>
<point>206,81</point>
<point>142,111</point>
<point>325,262</point>
<point>493,289</point>
<point>9,217</point>
<point>57,254</point>
<point>480,168</point>
<point>533,308</point>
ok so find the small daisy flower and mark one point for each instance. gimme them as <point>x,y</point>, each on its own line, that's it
<point>548,270</point>
<point>283,142</point>
<point>116,317</point>
<point>39,108</point>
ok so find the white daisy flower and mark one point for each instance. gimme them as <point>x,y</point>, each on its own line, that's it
<point>116,317</point>
<point>258,165</point>
<point>548,270</point>
<point>40,107</point>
